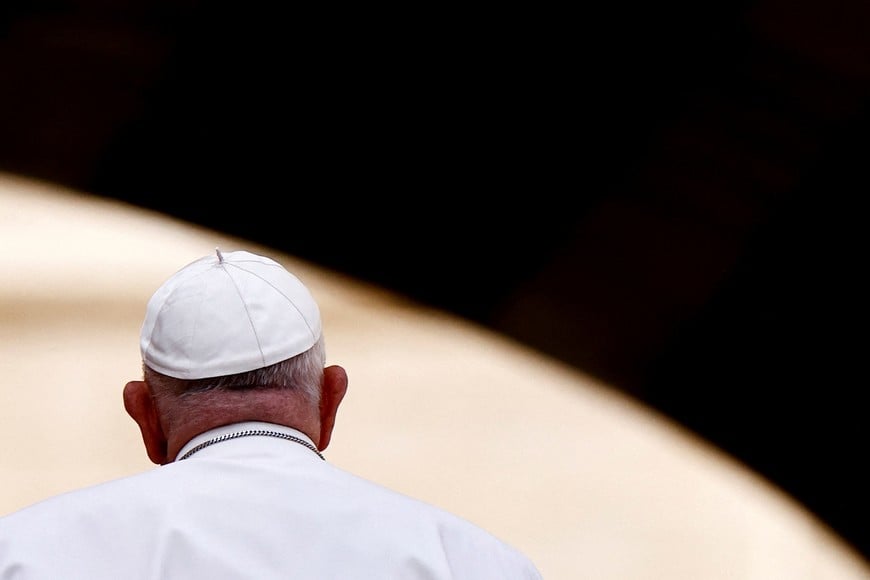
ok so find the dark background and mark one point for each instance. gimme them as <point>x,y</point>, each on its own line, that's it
<point>666,196</point>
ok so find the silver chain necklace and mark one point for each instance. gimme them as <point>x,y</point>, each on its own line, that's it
<point>252,433</point>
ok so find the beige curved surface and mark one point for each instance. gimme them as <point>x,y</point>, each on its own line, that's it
<point>588,483</point>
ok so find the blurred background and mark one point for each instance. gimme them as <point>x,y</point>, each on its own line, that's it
<point>664,196</point>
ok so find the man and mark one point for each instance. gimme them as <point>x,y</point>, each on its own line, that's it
<point>236,407</point>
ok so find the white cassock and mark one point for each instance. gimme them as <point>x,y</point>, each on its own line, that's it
<point>248,507</point>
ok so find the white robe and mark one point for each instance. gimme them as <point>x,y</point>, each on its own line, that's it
<point>252,508</point>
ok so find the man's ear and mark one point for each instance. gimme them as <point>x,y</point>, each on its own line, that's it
<point>141,407</point>
<point>334,388</point>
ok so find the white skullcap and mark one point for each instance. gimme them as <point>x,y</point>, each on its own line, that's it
<point>227,314</point>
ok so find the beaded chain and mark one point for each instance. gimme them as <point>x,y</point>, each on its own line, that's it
<point>251,433</point>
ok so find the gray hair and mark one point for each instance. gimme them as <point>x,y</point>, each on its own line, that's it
<point>302,373</point>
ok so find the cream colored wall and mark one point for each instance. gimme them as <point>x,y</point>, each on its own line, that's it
<point>588,483</point>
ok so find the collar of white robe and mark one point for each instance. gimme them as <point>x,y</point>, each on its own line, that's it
<point>252,433</point>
